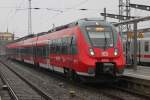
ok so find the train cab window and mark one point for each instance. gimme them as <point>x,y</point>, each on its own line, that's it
<point>100,36</point>
<point>146,46</point>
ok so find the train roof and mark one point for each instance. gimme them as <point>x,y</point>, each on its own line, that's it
<point>80,22</point>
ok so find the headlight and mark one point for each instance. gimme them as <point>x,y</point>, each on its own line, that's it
<point>116,52</point>
<point>91,52</point>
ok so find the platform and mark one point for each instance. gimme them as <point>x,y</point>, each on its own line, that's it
<point>142,72</point>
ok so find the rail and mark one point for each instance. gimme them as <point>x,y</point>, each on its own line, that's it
<point>136,86</point>
<point>36,88</point>
<point>11,91</point>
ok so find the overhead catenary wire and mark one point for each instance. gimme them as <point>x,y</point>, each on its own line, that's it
<point>14,10</point>
<point>70,8</point>
<point>12,14</point>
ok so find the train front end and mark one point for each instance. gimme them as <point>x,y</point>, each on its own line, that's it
<point>102,54</point>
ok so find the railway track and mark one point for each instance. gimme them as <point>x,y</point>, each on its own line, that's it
<point>38,83</point>
<point>82,90</point>
<point>7,85</point>
<point>20,88</point>
<point>136,86</point>
<point>4,93</point>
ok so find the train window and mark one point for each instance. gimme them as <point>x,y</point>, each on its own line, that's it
<point>44,52</point>
<point>47,50</point>
<point>39,51</point>
<point>146,46</point>
<point>65,45</point>
<point>25,51</point>
<point>69,39</point>
<point>73,40</point>
<point>73,45</point>
<point>101,38</point>
<point>28,51</point>
<point>31,50</point>
<point>49,46</point>
<point>34,51</point>
<point>59,46</point>
<point>54,46</point>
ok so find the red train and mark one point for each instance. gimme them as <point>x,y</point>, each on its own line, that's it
<point>89,48</point>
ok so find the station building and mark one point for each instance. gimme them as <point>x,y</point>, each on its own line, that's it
<point>5,37</point>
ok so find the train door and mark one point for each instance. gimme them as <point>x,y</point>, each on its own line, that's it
<point>49,52</point>
<point>35,55</point>
<point>66,52</point>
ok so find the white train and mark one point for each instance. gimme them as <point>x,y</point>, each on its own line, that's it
<point>143,50</point>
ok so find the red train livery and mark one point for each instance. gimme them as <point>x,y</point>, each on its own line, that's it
<point>88,47</point>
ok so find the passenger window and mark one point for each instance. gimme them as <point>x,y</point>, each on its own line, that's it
<point>73,45</point>
<point>59,46</point>
<point>65,45</point>
<point>39,51</point>
<point>146,46</point>
<point>52,47</point>
<point>44,51</point>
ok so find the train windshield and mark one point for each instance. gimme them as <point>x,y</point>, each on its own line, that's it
<point>100,36</point>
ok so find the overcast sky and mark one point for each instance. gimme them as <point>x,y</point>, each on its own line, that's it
<point>17,20</point>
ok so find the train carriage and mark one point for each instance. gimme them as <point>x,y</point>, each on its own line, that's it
<point>89,47</point>
<point>143,50</point>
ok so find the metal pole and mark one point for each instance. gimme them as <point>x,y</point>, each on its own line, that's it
<point>104,14</point>
<point>135,47</point>
<point>29,19</point>
<point>120,14</point>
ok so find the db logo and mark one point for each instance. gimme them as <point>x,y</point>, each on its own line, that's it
<point>104,53</point>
